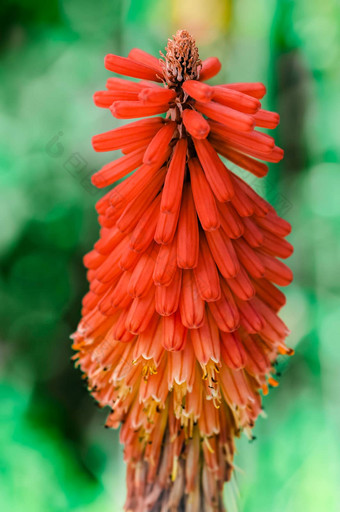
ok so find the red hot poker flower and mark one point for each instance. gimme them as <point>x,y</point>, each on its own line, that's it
<point>180,328</point>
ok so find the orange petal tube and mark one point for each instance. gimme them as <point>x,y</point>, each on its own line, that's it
<point>180,329</point>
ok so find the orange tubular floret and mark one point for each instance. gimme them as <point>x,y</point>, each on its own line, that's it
<point>129,259</point>
<point>104,99</point>
<point>253,140</point>
<point>120,298</point>
<point>167,297</point>
<point>210,68</point>
<point>172,191</point>
<point>131,109</point>
<point>198,91</point>
<point>241,286</point>
<point>257,362</point>
<point>251,319</point>
<point>276,271</point>
<point>93,259</point>
<point>132,213</point>
<point>205,341</point>
<point>166,227</point>
<point>182,367</point>
<point>138,55</point>
<point>195,124</point>
<point>145,229</point>
<point>143,143</point>
<point>231,222</point>
<point>225,311</point>
<point>254,89</point>
<point>109,240</point>
<point>215,171</point>
<point>133,132</point>
<point>191,304</point>
<point>204,198</point>
<point>122,85</point>
<point>157,95</point>
<point>257,168</point>
<point>118,169</point>
<point>219,143</point>
<point>226,115</point>
<point>109,269</point>
<point>140,313</point>
<point>141,277</point>
<point>236,100</point>
<point>188,237</point>
<point>134,185</point>
<point>145,346</point>
<point>274,327</point>
<point>128,67</point>
<point>252,234</point>
<point>249,259</point>
<point>275,246</point>
<point>223,253</point>
<point>174,332</point>
<point>207,278</point>
<point>261,206</point>
<point>233,351</point>
<point>269,294</point>
<point>159,143</point>
<point>266,119</point>
<point>275,224</point>
<point>166,264</point>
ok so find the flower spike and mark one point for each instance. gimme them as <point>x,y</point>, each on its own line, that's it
<point>180,328</point>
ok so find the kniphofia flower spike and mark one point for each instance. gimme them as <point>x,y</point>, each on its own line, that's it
<point>180,328</point>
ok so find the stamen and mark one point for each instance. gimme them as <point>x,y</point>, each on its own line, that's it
<point>273,382</point>
<point>209,373</point>
<point>174,469</point>
<point>151,408</point>
<point>148,369</point>
<point>208,445</point>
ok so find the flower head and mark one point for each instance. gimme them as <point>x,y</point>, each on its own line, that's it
<point>180,328</point>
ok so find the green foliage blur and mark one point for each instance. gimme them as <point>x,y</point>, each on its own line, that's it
<point>55,455</point>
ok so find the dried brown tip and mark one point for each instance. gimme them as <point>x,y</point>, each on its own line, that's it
<point>182,61</point>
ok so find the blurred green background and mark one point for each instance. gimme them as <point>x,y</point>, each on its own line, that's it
<point>55,455</point>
